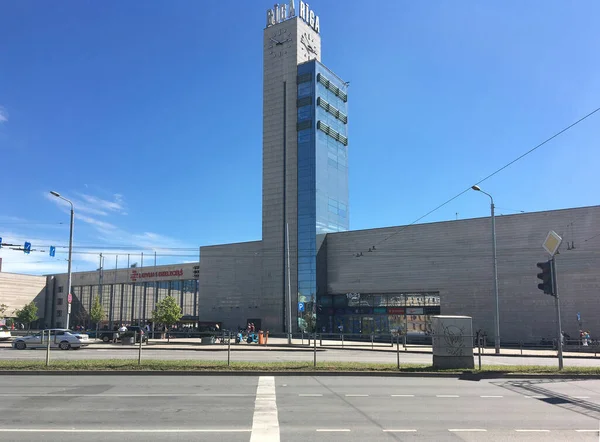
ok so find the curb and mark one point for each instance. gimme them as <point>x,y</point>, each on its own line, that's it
<point>467,376</point>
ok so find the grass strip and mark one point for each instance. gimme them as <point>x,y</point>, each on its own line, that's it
<point>291,366</point>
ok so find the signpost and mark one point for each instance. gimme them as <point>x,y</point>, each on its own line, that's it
<point>551,245</point>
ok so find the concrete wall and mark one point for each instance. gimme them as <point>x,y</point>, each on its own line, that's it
<point>455,258</point>
<point>18,290</point>
<point>280,166</point>
<point>230,286</point>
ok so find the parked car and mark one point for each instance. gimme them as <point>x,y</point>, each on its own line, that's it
<point>137,329</point>
<point>59,338</point>
<point>4,333</point>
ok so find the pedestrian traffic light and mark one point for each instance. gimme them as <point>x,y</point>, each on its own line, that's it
<point>546,277</point>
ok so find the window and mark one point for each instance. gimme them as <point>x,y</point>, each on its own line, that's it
<point>304,89</point>
<point>304,125</point>
<point>58,313</point>
<point>59,301</point>
<point>306,101</point>
<point>60,289</point>
<point>304,78</point>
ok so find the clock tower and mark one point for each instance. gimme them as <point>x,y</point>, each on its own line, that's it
<point>291,45</point>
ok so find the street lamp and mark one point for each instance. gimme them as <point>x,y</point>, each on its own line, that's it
<point>495,263</point>
<point>56,194</point>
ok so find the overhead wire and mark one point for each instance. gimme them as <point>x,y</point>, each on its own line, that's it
<point>493,173</point>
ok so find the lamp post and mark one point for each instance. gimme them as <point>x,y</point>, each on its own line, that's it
<point>495,263</point>
<point>56,194</point>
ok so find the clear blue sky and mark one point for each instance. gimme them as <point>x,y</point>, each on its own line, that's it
<point>148,115</point>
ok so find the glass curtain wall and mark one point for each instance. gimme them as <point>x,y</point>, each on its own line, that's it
<point>189,295</point>
<point>322,174</point>
<point>363,313</point>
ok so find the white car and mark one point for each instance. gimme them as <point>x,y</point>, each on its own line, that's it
<point>4,333</point>
<point>59,338</point>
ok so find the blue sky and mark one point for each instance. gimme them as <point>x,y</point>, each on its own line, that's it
<point>148,116</point>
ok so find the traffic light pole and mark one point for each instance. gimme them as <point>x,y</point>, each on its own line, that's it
<point>557,304</point>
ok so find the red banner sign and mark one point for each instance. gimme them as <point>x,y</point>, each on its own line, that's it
<point>135,275</point>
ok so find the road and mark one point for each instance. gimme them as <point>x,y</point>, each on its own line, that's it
<point>295,408</point>
<point>274,355</point>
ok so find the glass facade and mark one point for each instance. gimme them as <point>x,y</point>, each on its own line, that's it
<point>367,313</point>
<point>322,174</point>
<point>131,303</point>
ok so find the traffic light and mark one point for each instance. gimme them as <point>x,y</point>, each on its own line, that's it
<point>546,277</point>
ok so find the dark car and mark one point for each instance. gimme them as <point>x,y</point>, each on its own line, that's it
<point>137,329</point>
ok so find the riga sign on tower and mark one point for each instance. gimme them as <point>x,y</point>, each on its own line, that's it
<point>283,12</point>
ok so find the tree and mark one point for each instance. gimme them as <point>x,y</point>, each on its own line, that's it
<point>27,314</point>
<point>167,312</point>
<point>3,308</point>
<point>97,312</point>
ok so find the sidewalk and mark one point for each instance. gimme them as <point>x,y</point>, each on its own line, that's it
<point>281,344</point>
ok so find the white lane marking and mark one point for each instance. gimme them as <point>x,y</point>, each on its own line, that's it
<point>490,396</point>
<point>115,430</point>
<point>587,431</point>
<point>539,396</point>
<point>532,431</point>
<point>310,394</point>
<point>447,395</point>
<point>458,430</point>
<point>265,423</point>
<point>400,431</point>
<point>582,397</point>
<point>357,395</point>
<point>403,395</point>
<point>333,430</point>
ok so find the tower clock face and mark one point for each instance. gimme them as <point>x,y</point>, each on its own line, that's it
<point>308,46</point>
<point>280,41</point>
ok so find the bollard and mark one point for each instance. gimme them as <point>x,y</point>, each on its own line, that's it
<point>404,341</point>
<point>342,335</point>
<point>229,350</point>
<point>521,344</point>
<point>302,337</point>
<point>372,347</point>
<point>398,350</point>
<point>140,347</point>
<point>479,351</point>
<point>315,350</point>
<point>47,348</point>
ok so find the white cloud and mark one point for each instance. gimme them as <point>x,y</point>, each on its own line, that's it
<point>3,115</point>
<point>100,204</point>
<point>96,223</point>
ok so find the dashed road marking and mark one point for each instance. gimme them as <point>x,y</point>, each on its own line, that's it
<point>310,395</point>
<point>458,430</point>
<point>582,397</point>
<point>490,396</point>
<point>398,430</point>
<point>588,431</point>
<point>532,431</point>
<point>403,395</point>
<point>447,395</point>
<point>333,430</point>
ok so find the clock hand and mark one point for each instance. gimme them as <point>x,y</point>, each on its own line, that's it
<point>275,41</point>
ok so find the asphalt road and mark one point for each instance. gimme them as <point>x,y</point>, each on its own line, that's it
<point>248,355</point>
<point>289,408</point>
